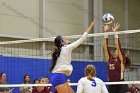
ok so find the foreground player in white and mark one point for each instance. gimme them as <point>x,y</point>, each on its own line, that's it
<point>90,83</point>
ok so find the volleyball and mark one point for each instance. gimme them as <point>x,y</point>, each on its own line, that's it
<point>108,18</point>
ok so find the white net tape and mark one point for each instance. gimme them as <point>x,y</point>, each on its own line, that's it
<point>71,84</point>
<point>72,36</point>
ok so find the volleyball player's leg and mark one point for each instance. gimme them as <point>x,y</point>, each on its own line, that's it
<point>127,90</point>
<point>70,89</point>
<point>64,88</point>
<point>114,89</point>
<point>111,89</point>
<point>124,89</point>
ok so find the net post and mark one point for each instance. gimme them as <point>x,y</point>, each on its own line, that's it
<point>42,25</point>
<point>88,17</point>
<point>97,12</point>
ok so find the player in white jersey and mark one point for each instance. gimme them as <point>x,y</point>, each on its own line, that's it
<point>61,61</point>
<point>90,83</point>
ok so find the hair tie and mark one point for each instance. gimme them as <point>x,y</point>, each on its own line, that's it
<point>61,39</point>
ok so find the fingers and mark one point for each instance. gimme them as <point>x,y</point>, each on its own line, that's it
<point>112,28</point>
<point>91,26</point>
<point>93,23</point>
<point>118,25</point>
<point>109,26</point>
<point>115,27</point>
<point>106,28</point>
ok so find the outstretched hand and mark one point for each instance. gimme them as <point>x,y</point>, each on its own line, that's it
<point>106,28</point>
<point>115,27</point>
<point>91,26</point>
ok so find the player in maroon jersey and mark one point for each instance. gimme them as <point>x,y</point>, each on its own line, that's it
<point>116,62</point>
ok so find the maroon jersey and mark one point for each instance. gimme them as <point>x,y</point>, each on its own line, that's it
<point>115,66</point>
<point>114,69</point>
<point>47,89</point>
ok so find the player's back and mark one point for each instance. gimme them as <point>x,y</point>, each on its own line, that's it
<point>87,86</point>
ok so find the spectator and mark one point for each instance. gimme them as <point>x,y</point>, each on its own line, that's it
<point>47,80</point>
<point>4,82</point>
<point>36,81</point>
<point>42,89</point>
<point>134,89</point>
<point>26,81</point>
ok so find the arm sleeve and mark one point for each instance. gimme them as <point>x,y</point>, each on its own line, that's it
<point>78,42</point>
<point>106,48</point>
<point>118,47</point>
<point>80,87</point>
<point>103,89</point>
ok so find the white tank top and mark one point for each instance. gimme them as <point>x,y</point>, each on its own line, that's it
<point>64,60</point>
<point>87,86</point>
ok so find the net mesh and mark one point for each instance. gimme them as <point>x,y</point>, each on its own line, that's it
<point>32,48</point>
<point>33,56</point>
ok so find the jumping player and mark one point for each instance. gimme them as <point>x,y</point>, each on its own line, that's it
<point>61,61</point>
<point>116,63</point>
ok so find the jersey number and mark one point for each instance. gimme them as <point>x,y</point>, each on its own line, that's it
<point>111,66</point>
<point>94,83</point>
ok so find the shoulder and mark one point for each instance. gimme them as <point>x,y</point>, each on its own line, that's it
<point>65,47</point>
<point>82,80</point>
<point>34,89</point>
<point>98,80</point>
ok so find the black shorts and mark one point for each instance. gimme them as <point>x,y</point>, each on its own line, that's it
<point>118,88</point>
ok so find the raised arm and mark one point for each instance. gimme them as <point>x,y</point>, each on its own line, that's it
<point>118,47</point>
<point>117,43</point>
<point>79,41</point>
<point>105,44</point>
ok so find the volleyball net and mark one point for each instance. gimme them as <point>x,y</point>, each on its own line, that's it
<point>33,57</point>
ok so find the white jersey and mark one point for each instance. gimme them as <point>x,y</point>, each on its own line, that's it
<point>64,60</point>
<point>87,86</point>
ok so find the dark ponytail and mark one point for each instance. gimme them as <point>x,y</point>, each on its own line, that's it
<point>56,53</point>
<point>127,62</point>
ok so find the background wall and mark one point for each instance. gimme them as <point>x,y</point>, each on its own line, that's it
<point>65,17</point>
<point>16,68</point>
<point>19,18</point>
